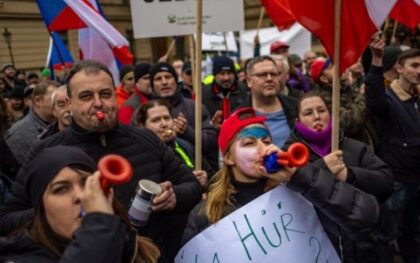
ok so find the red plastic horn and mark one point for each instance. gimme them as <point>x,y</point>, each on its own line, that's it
<point>114,169</point>
<point>298,155</point>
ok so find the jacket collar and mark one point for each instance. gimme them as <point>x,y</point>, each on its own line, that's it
<point>400,92</point>
<point>91,137</point>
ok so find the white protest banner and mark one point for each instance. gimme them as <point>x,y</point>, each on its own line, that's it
<point>297,37</point>
<point>279,226</point>
<point>157,18</point>
<point>219,41</point>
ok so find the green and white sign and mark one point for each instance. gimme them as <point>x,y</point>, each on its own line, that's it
<point>158,18</point>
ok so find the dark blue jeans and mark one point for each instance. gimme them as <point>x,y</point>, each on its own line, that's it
<point>401,222</point>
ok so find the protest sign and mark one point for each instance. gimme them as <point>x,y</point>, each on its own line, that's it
<point>279,226</point>
<point>156,18</point>
<point>297,37</point>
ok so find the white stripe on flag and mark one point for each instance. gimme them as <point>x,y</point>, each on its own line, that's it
<point>94,20</point>
<point>379,10</point>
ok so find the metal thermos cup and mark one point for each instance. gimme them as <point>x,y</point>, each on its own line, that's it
<point>141,207</point>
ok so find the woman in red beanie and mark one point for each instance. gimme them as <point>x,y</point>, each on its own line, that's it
<point>244,141</point>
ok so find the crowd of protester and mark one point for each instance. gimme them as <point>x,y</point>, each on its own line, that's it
<point>366,194</point>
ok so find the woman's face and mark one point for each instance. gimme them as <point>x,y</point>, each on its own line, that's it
<point>243,153</point>
<point>159,120</point>
<point>314,113</point>
<point>61,201</point>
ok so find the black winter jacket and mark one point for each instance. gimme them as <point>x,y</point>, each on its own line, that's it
<point>365,170</point>
<point>100,239</point>
<point>349,211</point>
<point>367,173</point>
<point>151,159</point>
<point>211,99</point>
<point>398,126</point>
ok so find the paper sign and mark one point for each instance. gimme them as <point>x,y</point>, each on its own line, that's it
<point>157,18</point>
<point>297,37</point>
<point>220,41</point>
<point>279,226</point>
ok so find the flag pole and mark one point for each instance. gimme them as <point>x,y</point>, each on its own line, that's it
<point>192,61</point>
<point>385,28</point>
<point>394,31</point>
<point>171,46</point>
<point>58,50</point>
<point>197,83</point>
<point>260,20</point>
<point>336,77</point>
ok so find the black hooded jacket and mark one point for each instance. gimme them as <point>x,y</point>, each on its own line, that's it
<point>366,173</point>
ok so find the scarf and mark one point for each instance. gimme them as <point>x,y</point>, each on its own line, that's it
<point>320,142</point>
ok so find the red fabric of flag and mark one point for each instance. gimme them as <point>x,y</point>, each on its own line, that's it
<point>407,12</point>
<point>279,12</point>
<point>357,27</point>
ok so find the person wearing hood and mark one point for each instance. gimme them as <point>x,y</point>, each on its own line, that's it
<point>75,221</point>
<point>163,79</point>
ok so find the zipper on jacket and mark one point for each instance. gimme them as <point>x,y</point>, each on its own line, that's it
<point>416,107</point>
<point>103,140</point>
<point>341,248</point>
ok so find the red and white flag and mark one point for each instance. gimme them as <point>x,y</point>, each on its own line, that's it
<point>407,12</point>
<point>100,40</point>
<point>360,19</point>
<point>279,12</point>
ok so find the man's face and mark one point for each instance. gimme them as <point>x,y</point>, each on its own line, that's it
<point>281,51</point>
<point>44,106</point>
<point>33,81</point>
<point>327,75</point>
<point>308,59</point>
<point>264,79</point>
<point>92,93</point>
<point>225,79</point>
<point>284,73</point>
<point>410,71</point>
<point>143,84</point>
<point>187,78</point>
<point>61,108</point>
<point>177,64</point>
<point>129,84</point>
<point>16,103</point>
<point>164,84</point>
<point>10,72</point>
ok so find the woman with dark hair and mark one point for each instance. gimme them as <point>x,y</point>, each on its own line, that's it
<point>353,163</point>
<point>244,140</point>
<point>155,115</point>
<point>74,220</point>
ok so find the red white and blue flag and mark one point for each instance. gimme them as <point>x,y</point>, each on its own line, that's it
<point>58,57</point>
<point>98,39</point>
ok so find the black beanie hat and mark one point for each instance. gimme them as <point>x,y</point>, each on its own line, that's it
<point>17,92</point>
<point>48,163</point>
<point>124,70</point>
<point>222,63</point>
<point>390,57</point>
<point>141,70</point>
<point>162,67</point>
